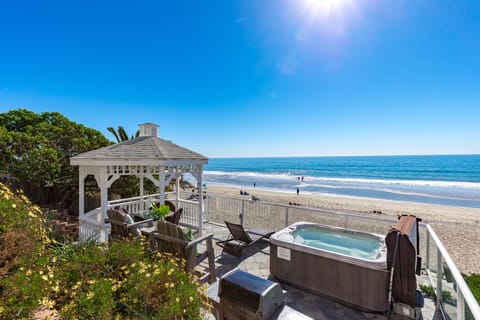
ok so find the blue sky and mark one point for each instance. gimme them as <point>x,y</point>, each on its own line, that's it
<point>254,77</point>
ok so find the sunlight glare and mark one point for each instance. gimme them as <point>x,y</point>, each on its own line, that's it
<point>327,9</point>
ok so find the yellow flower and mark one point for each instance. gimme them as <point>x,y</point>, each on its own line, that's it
<point>47,303</point>
<point>44,277</point>
<point>170,271</point>
<point>90,295</point>
<point>172,285</point>
<point>14,205</point>
<point>177,299</point>
<point>190,299</point>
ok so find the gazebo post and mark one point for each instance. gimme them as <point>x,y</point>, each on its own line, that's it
<point>161,179</point>
<point>81,191</point>
<point>200,200</point>
<point>177,191</point>
<point>142,204</point>
<point>102,182</point>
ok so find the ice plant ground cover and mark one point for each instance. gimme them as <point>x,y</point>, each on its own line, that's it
<point>87,281</point>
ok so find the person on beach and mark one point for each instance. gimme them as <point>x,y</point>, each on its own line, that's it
<point>298,191</point>
<point>254,184</point>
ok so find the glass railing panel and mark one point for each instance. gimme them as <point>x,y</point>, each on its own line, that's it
<point>223,209</point>
<point>431,258</point>
<point>449,292</point>
<point>263,215</point>
<point>369,224</point>
<point>297,214</point>
<point>468,313</point>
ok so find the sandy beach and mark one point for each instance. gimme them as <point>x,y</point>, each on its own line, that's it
<point>457,227</point>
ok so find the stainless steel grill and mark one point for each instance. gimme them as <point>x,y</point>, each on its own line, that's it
<point>244,296</point>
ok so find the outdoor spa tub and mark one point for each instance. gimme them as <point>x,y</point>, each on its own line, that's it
<point>346,265</point>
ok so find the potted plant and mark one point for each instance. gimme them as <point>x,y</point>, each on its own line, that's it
<point>159,212</point>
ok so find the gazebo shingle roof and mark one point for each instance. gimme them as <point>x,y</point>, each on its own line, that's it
<point>141,148</point>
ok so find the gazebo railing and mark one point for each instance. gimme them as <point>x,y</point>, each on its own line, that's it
<point>92,225</point>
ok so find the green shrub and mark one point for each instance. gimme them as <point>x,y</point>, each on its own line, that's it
<point>428,291</point>
<point>473,282</point>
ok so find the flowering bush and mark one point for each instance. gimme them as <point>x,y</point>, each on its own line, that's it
<point>122,280</point>
<point>23,235</point>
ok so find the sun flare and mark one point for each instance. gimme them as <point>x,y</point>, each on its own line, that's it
<point>327,8</point>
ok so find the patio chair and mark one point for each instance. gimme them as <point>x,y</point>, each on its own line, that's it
<point>175,218</point>
<point>240,238</point>
<point>123,225</point>
<point>171,238</point>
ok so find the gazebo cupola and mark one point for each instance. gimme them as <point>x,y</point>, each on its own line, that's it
<point>146,156</point>
<point>148,130</point>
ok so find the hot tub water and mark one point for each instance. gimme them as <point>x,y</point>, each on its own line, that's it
<point>344,242</point>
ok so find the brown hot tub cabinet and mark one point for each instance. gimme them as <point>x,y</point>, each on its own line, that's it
<point>346,279</point>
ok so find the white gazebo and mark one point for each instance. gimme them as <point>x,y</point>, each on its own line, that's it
<point>146,156</point>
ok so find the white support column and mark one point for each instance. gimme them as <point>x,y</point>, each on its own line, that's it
<point>142,202</point>
<point>81,191</point>
<point>200,200</point>
<point>103,183</point>
<point>161,178</point>
<point>177,190</point>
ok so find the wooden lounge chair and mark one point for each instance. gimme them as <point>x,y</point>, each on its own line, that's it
<point>240,238</point>
<point>175,218</point>
<point>172,238</point>
<point>123,225</point>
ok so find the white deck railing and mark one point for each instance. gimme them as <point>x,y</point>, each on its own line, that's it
<point>454,298</point>
<point>92,225</point>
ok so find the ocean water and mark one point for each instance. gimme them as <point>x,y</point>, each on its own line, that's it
<point>442,179</point>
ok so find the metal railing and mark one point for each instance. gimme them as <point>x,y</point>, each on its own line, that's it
<point>454,297</point>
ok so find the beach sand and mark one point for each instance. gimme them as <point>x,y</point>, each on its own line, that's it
<point>457,227</point>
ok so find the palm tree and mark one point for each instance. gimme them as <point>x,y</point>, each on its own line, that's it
<point>121,135</point>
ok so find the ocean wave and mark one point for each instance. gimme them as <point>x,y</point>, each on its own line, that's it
<point>283,177</point>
